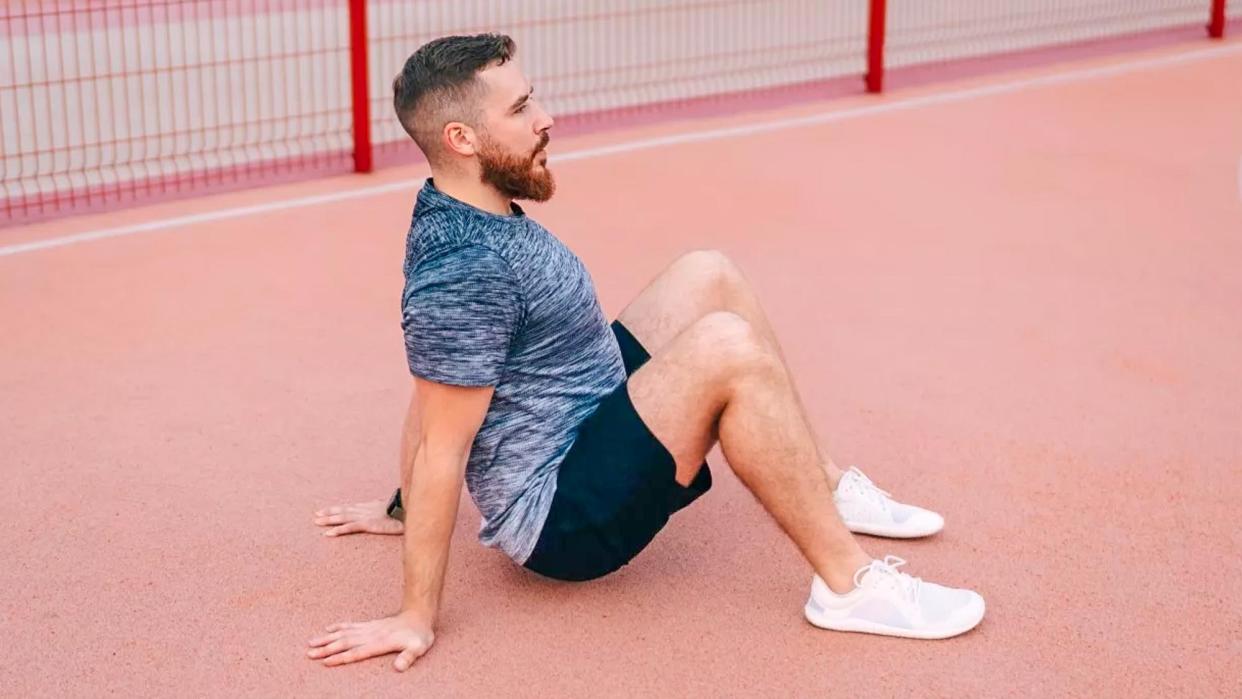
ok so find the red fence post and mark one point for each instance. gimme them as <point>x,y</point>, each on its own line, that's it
<point>1216,29</point>
<point>358,73</point>
<point>875,46</point>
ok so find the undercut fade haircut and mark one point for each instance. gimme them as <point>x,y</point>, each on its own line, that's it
<point>439,84</point>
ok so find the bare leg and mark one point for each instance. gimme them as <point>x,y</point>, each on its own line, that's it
<point>696,284</point>
<point>720,377</point>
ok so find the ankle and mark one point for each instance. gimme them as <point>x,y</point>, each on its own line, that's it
<point>839,575</point>
<point>834,474</point>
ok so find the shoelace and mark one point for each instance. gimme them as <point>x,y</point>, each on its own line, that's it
<point>866,489</point>
<point>910,586</point>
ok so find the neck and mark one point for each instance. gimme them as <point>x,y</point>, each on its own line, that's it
<point>468,188</point>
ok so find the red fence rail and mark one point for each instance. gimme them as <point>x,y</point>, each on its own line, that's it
<point>110,103</point>
<point>1216,26</point>
<point>876,33</point>
<point>358,83</point>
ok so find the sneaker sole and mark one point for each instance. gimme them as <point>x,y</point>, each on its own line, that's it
<point>889,532</point>
<point>969,621</point>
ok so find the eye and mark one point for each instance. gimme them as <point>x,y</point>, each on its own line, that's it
<point>520,109</point>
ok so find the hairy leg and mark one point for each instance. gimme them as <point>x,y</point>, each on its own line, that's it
<point>694,285</point>
<point>719,377</point>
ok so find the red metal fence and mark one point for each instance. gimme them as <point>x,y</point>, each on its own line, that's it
<point>106,103</point>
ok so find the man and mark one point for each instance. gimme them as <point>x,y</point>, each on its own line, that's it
<point>577,439</point>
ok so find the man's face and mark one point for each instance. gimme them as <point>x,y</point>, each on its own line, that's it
<point>513,135</point>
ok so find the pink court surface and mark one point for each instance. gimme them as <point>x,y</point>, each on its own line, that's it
<point>1013,298</point>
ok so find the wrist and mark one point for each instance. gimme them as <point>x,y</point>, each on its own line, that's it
<point>418,613</point>
<point>396,510</point>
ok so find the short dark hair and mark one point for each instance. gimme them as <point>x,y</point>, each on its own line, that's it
<point>438,84</point>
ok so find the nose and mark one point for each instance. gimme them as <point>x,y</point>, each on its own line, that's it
<point>543,120</point>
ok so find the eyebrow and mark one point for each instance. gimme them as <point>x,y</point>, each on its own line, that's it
<point>521,100</point>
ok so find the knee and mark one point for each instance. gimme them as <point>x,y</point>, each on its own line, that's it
<point>733,346</point>
<point>712,269</point>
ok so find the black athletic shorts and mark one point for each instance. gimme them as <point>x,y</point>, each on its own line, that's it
<point>615,489</point>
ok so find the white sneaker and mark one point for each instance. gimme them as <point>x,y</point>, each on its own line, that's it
<point>868,510</point>
<point>890,603</point>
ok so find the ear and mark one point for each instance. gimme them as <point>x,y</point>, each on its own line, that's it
<point>460,138</point>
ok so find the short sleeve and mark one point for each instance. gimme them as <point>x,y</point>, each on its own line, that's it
<point>460,312</point>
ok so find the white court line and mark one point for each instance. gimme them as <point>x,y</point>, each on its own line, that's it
<point>897,105</point>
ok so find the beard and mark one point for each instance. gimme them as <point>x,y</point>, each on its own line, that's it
<point>516,176</point>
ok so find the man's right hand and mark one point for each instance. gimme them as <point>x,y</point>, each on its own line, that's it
<point>358,518</point>
<point>409,635</point>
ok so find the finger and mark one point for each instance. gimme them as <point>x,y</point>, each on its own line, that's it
<point>341,644</point>
<point>405,659</point>
<point>348,528</point>
<point>334,632</point>
<point>341,626</point>
<point>337,519</point>
<point>361,652</point>
<point>329,511</point>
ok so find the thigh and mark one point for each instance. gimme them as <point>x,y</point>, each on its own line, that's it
<point>682,390</point>
<point>694,285</point>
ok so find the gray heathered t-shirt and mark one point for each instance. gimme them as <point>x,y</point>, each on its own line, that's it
<point>498,301</point>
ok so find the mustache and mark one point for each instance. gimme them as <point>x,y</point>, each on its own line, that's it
<point>543,143</point>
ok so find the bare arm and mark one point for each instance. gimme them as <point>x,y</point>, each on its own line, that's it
<point>440,427</point>
<point>448,419</point>
<point>411,432</point>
